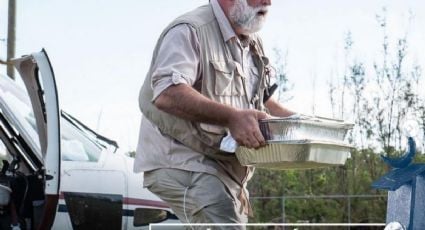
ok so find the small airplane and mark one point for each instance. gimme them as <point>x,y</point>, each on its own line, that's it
<point>57,173</point>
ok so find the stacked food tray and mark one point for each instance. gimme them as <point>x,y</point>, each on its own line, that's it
<point>299,143</point>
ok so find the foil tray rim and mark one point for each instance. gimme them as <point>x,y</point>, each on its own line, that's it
<point>309,142</point>
<point>313,121</point>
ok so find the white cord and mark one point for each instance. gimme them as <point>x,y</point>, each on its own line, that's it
<point>184,206</point>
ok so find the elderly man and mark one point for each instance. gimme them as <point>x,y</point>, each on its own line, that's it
<point>208,79</point>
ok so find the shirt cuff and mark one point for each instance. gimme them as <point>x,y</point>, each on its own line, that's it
<point>162,84</point>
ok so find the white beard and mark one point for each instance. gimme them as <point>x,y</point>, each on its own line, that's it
<point>246,17</point>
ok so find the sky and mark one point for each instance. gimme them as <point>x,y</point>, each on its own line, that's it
<point>101,50</point>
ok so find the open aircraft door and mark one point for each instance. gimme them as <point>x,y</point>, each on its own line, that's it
<point>38,77</point>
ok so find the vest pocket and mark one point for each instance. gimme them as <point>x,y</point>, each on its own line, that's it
<point>228,80</point>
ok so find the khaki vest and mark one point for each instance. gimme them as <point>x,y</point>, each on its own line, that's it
<point>223,80</point>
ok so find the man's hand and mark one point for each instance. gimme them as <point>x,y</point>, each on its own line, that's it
<point>244,127</point>
<point>276,109</point>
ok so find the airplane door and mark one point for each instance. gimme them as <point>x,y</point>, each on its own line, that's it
<point>93,199</point>
<point>39,80</point>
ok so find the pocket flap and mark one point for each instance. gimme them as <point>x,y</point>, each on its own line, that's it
<point>223,66</point>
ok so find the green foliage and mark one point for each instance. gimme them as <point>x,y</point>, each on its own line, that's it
<point>321,195</point>
<point>381,98</point>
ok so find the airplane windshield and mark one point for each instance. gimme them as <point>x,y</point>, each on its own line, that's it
<point>16,104</point>
<point>75,145</point>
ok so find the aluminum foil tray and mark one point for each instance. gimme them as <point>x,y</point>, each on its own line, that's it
<point>311,128</point>
<point>287,155</point>
<point>309,142</point>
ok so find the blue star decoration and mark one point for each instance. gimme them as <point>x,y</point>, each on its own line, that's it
<point>405,160</point>
<point>405,184</point>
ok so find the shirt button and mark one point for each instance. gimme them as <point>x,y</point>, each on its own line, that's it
<point>175,78</point>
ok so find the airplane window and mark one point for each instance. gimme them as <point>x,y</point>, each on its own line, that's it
<point>76,146</point>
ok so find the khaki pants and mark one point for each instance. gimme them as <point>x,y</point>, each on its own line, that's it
<point>194,197</point>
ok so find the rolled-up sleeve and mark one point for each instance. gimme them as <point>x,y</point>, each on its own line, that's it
<point>177,61</point>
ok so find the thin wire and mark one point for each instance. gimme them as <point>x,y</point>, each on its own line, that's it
<point>184,207</point>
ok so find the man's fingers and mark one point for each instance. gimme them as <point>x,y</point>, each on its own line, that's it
<point>252,141</point>
<point>251,145</point>
<point>259,136</point>
<point>246,130</point>
<point>249,142</point>
<point>254,144</point>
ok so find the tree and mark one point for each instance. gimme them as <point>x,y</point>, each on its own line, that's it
<point>381,101</point>
<point>284,86</point>
<point>381,98</point>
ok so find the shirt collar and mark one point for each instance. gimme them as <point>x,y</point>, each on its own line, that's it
<point>224,24</point>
